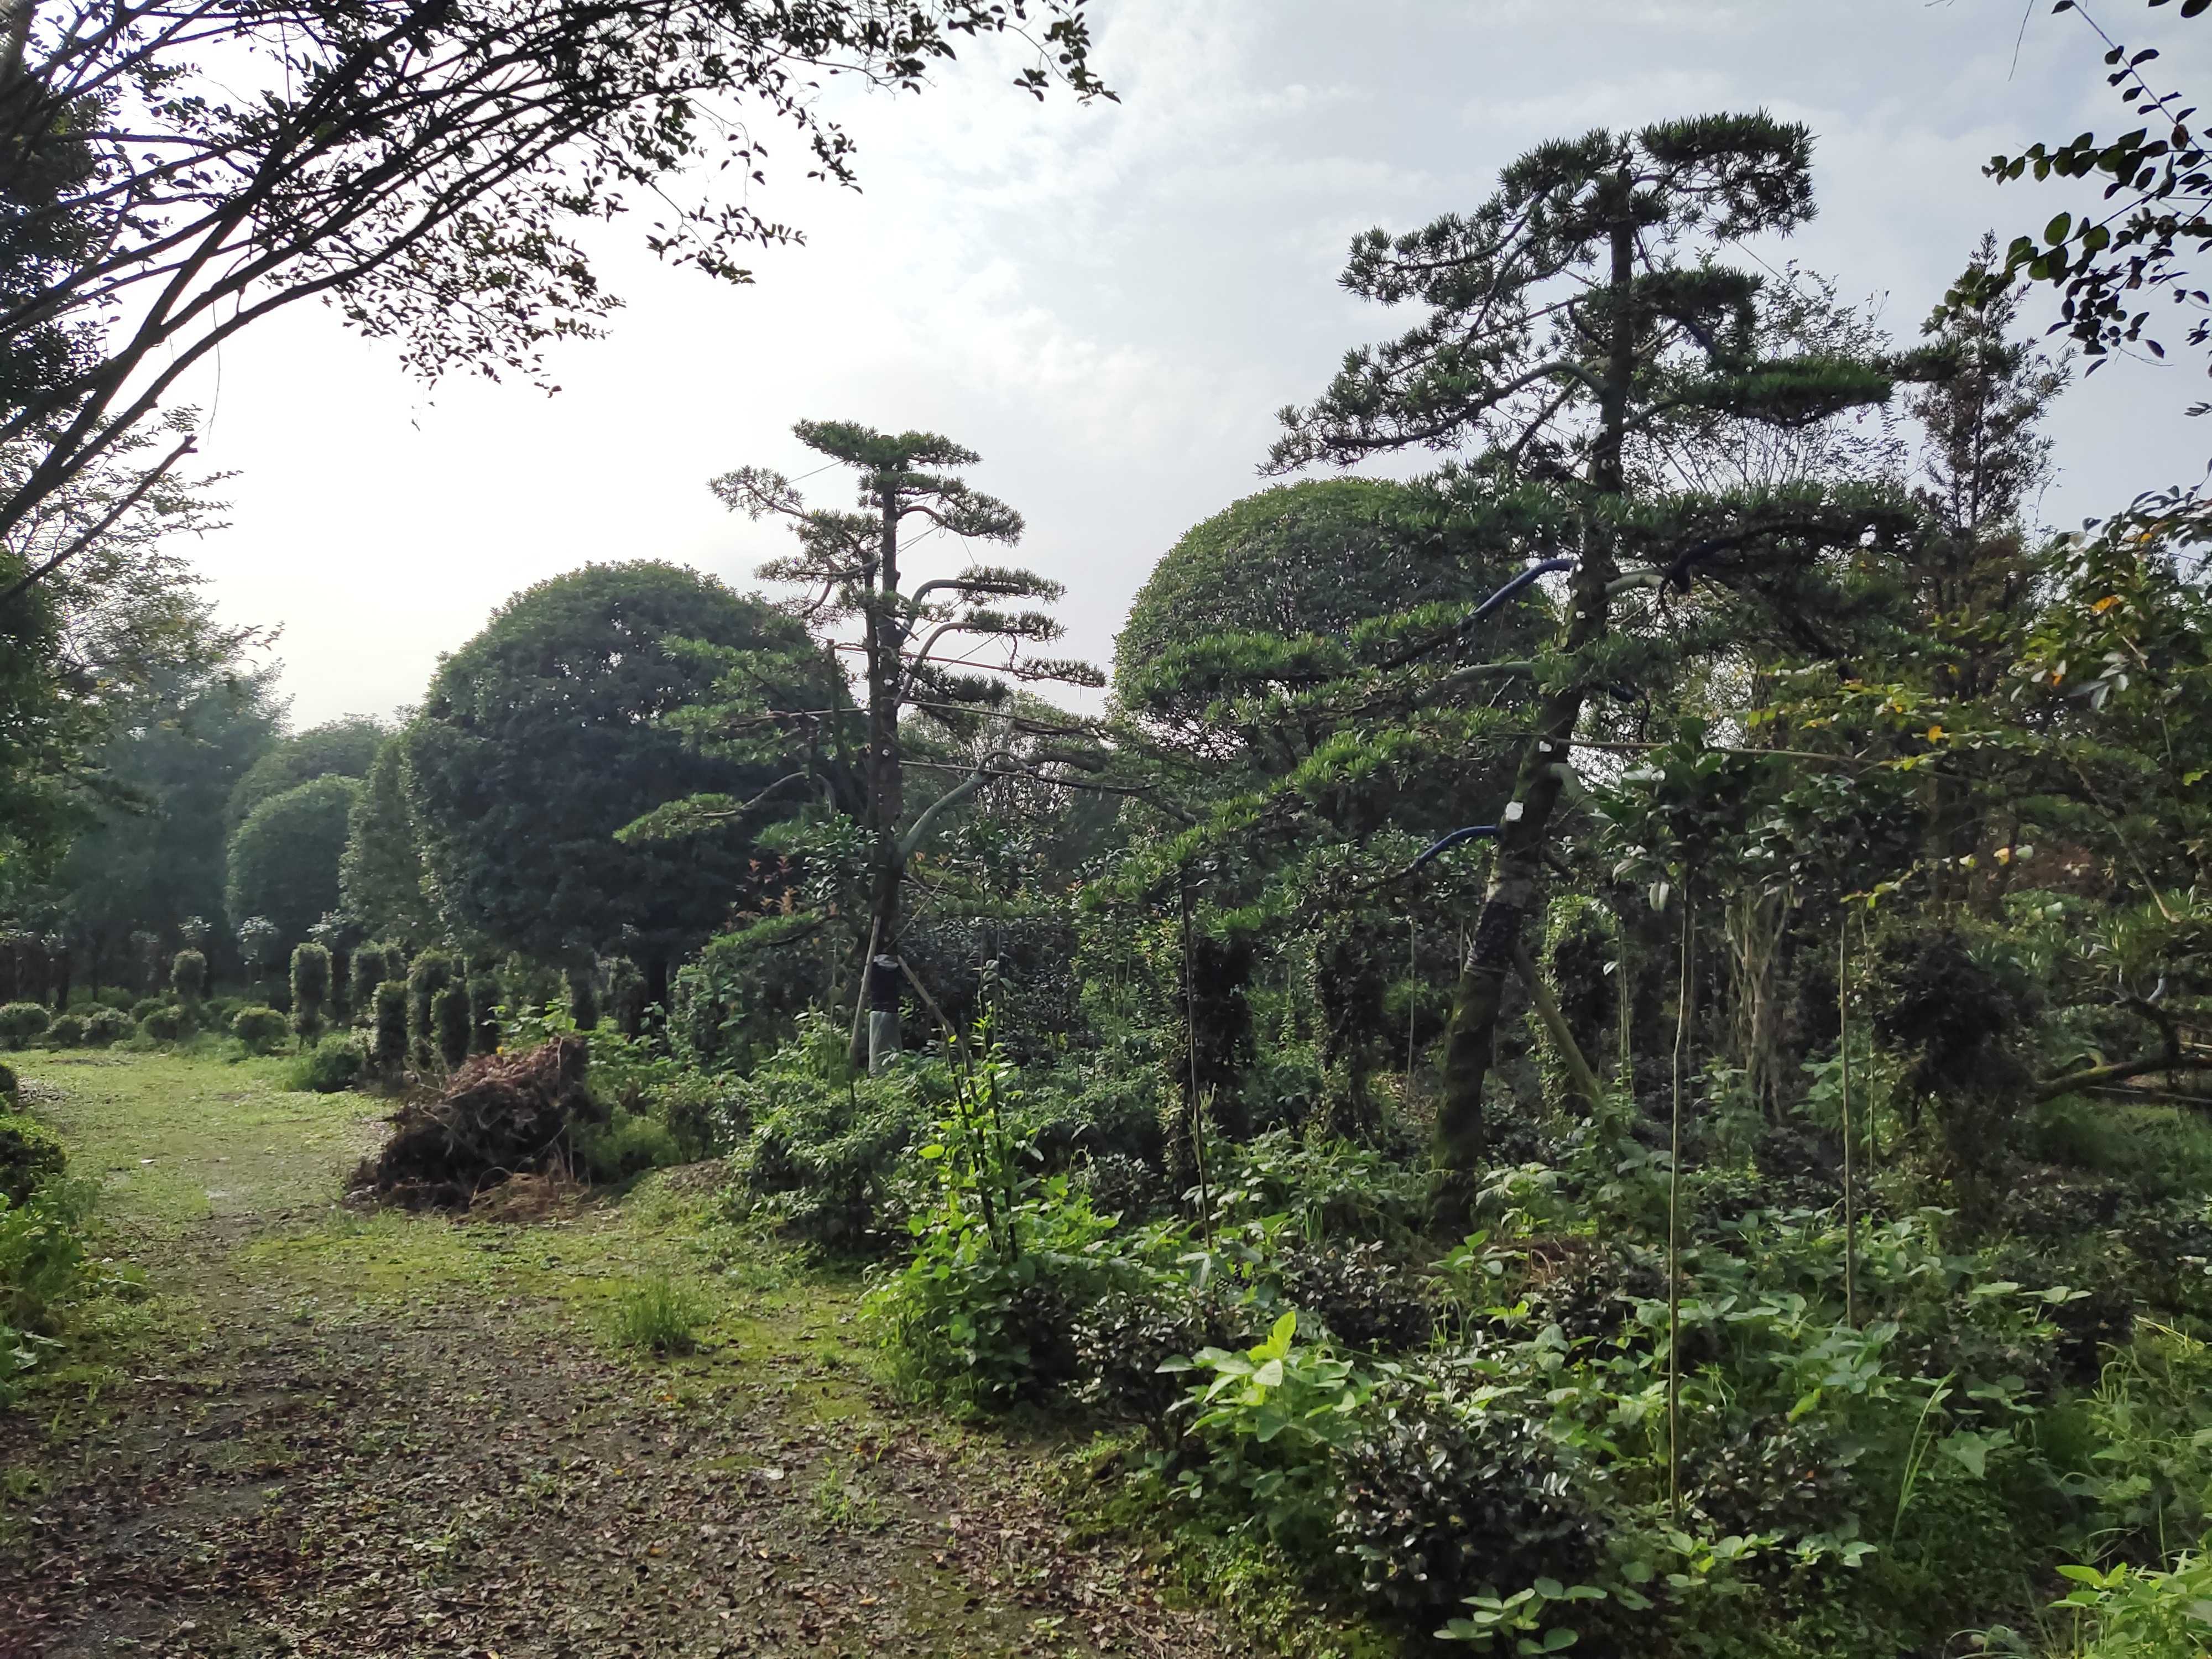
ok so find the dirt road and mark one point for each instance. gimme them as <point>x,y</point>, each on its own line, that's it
<point>319,1433</point>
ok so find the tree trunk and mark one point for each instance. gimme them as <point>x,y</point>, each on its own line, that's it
<point>1462,1134</point>
<point>886,775</point>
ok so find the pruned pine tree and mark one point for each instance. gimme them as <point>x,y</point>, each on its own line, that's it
<point>1574,321</point>
<point>949,649</point>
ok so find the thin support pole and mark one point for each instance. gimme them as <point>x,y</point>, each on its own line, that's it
<point>1843,1095</point>
<point>1197,1103</point>
<point>1675,1219</point>
<point>1624,994</point>
<point>1412,994</point>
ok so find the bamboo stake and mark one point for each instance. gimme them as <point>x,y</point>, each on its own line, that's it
<point>1197,1103</point>
<point>1413,996</point>
<point>1674,1222</point>
<point>1844,1048</point>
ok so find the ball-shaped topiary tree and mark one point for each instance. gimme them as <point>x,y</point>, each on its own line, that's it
<point>543,736</point>
<point>341,747</point>
<point>1304,560</point>
<point>283,861</point>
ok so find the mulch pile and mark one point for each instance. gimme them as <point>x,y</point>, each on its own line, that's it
<point>499,1117</point>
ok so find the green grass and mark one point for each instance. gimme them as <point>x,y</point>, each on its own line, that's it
<point>176,1140</point>
<point>659,1315</point>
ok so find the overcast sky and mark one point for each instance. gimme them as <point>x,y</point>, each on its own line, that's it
<point>1108,303</point>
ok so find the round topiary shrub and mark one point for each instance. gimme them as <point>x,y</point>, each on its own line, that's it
<point>30,1155</point>
<point>146,1006</point>
<point>7,1083</point>
<point>261,1029</point>
<point>22,1021</point>
<point>66,1032</point>
<point>335,1063</point>
<point>165,1022</point>
<point>104,1026</point>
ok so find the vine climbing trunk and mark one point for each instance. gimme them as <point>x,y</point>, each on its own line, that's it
<point>1470,1043</point>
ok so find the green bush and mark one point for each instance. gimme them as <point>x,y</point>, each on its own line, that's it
<point>368,968</point>
<point>431,972</point>
<point>706,1116</point>
<point>449,1015</point>
<point>188,977</point>
<point>104,1026</point>
<point>66,1031</point>
<point>2131,1613</point>
<point>22,1021</point>
<point>146,1006</point>
<point>584,998</point>
<point>311,989</point>
<point>484,999</point>
<point>31,1154</point>
<point>388,1037</point>
<point>7,1081</point>
<point>263,1031</point>
<point>626,1144</point>
<point>165,1022</point>
<point>42,1256</point>
<point>335,1063</point>
<point>984,1315</point>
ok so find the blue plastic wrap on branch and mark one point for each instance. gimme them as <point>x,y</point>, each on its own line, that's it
<point>1473,832</point>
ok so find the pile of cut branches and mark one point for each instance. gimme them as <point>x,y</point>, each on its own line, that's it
<point>499,1117</point>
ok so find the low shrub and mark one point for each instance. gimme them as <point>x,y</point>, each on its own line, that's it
<point>146,1006</point>
<point>42,1255</point>
<point>335,1063</point>
<point>659,1315</point>
<point>986,1315</point>
<point>20,1022</point>
<point>1350,1293</point>
<point>31,1154</point>
<point>66,1031</point>
<point>263,1031</point>
<point>7,1081</point>
<point>105,1026</point>
<point>166,1022</point>
<point>704,1115</point>
<point>1434,1504</point>
<point>628,1143</point>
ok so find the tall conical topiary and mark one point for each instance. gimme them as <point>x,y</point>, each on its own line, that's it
<point>430,973</point>
<point>311,989</point>
<point>449,1014</point>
